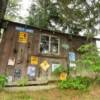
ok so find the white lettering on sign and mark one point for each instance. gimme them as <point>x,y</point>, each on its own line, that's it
<point>24,29</point>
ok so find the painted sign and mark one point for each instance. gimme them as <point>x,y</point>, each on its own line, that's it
<point>23,37</point>
<point>31,71</point>
<point>24,29</point>
<point>63,76</point>
<point>72,64</point>
<point>11,61</point>
<point>34,60</point>
<point>71,56</point>
<point>17,73</point>
<point>54,66</point>
<point>44,65</point>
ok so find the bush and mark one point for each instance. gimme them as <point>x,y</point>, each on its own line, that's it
<point>3,81</point>
<point>81,83</point>
<point>23,81</point>
<point>59,70</point>
<point>97,80</point>
<point>89,58</point>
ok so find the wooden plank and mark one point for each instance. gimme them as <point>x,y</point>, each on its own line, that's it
<point>28,83</point>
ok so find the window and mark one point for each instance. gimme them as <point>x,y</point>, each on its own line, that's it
<point>49,44</point>
<point>44,45</point>
<point>54,45</point>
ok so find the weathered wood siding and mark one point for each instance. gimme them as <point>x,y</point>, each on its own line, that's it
<point>11,48</point>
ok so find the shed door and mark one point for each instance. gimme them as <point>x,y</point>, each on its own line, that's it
<point>22,55</point>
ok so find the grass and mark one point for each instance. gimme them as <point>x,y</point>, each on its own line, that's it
<point>54,94</point>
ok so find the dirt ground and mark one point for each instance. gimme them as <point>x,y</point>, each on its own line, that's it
<point>53,94</point>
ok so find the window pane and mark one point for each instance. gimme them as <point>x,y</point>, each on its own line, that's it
<point>54,45</point>
<point>44,45</point>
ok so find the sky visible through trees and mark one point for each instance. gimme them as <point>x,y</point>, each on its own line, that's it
<point>65,15</point>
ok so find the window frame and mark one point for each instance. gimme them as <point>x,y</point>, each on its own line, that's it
<point>50,36</point>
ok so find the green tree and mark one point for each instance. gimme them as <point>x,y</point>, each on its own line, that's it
<point>38,14</point>
<point>89,58</point>
<point>81,15</point>
<point>70,16</point>
<point>12,9</point>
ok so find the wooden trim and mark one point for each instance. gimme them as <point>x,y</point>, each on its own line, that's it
<point>51,56</point>
<point>50,36</point>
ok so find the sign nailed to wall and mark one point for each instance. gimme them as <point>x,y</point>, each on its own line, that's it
<point>34,60</point>
<point>31,71</point>
<point>44,65</point>
<point>72,56</point>
<point>24,29</point>
<point>11,61</point>
<point>23,37</point>
<point>63,76</point>
<point>54,66</point>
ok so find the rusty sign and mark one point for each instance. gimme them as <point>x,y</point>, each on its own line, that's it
<point>23,37</point>
<point>34,60</point>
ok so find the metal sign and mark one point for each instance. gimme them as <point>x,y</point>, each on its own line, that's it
<point>44,65</point>
<point>23,29</point>
<point>11,61</point>
<point>23,37</point>
<point>34,60</point>
<point>72,56</point>
<point>31,71</point>
<point>54,66</point>
<point>63,76</point>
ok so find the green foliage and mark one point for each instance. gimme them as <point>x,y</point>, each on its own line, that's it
<point>97,80</point>
<point>89,61</point>
<point>89,58</point>
<point>12,11</point>
<point>38,15</point>
<point>81,83</point>
<point>3,81</point>
<point>71,15</point>
<point>23,81</point>
<point>59,69</point>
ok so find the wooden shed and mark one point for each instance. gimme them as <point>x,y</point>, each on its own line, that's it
<point>30,51</point>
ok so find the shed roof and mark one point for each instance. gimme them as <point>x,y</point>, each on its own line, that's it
<point>46,30</point>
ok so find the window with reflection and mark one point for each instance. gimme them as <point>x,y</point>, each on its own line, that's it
<point>54,45</point>
<point>49,44</point>
<point>44,44</point>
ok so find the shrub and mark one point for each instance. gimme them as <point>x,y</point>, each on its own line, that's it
<point>3,81</point>
<point>23,81</point>
<point>89,58</point>
<point>97,80</point>
<point>81,83</point>
<point>59,70</point>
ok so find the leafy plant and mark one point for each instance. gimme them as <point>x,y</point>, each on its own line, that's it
<point>59,70</point>
<point>23,81</point>
<point>97,80</point>
<point>3,81</point>
<point>81,83</point>
<point>89,59</point>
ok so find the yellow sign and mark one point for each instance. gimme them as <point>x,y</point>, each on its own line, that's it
<point>34,60</point>
<point>23,37</point>
<point>44,65</point>
<point>63,76</point>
